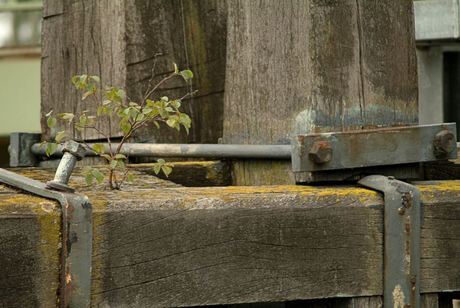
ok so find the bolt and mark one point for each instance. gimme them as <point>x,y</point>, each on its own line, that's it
<point>73,151</point>
<point>444,143</point>
<point>320,152</point>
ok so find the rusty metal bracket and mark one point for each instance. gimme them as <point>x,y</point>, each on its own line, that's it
<point>402,224</point>
<point>75,288</point>
<point>351,155</point>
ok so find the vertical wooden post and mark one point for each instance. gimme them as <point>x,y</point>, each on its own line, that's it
<point>118,40</point>
<point>330,65</point>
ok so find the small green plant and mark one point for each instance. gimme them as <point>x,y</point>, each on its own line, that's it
<point>132,116</point>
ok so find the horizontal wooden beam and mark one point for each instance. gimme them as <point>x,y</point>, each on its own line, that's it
<point>174,246</point>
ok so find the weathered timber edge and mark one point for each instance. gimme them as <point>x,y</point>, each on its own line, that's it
<point>175,246</point>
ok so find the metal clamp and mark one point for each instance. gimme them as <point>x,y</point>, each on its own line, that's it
<point>402,223</point>
<point>75,288</point>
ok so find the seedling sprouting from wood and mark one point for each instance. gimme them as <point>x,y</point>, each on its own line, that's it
<point>132,115</point>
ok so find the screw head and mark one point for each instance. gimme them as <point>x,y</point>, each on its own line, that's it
<point>320,152</point>
<point>444,143</point>
<point>74,148</point>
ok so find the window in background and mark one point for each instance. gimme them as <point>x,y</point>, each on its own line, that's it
<point>20,27</point>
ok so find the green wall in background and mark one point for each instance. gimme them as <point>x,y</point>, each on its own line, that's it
<point>19,95</point>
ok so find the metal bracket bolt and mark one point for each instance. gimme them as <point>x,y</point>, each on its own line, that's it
<point>320,152</point>
<point>73,151</point>
<point>444,143</point>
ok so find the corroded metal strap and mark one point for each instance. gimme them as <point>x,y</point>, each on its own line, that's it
<point>402,223</point>
<point>76,238</point>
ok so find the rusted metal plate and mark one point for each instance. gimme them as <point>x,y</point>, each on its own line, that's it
<point>402,223</point>
<point>75,288</point>
<point>374,147</point>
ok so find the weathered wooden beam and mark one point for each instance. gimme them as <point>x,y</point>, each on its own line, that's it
<point>331,65</point>
<point>168,246</point>
<point>120,41</point>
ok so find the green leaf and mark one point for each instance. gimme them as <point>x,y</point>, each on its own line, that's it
<point>99,111</point>
<point>171,122</point>
<point>83,78</point>
<point>99,148</point>
<point>67,116</point>
<point>150,103</point>
<point>133,113</point>
<point>130,178</point>
<point>108,110</point>
<point>121,93</point>
<point>91,87</point>
<point>86,169</point>
<point>161,161</point>
<point>156,169</point>
<point>82,120</point>
<point>98,175</point>
<point>60,136</point>
<point>113,164</point>
<point>121,164</point>
<point>176,69</point>
<point>165,98</point>
<point>176,104</point>
<point>106,102</point>
<point>120,156</point>
<point>106,156</point>
<point>89,179</point>
<point>133,104</point>
<point>186,74</point>
<point>41,144</point>
<point>140,117</point>
<point>74,79</point>
<point>169,109</point>
<point>126,127</point>
<point>51,148</point>
<point>166,170</point>
<point>156,124</point>
<point>146,110</point>
<point>51,122</point>
<point>96,78</point>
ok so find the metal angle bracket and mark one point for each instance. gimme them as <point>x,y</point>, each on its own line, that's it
<point>389,150</point>
<point>75,287</point>
<point>402,224</point>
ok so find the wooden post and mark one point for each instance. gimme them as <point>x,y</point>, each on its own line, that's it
<point>332,65</point>
<point>118,40</point>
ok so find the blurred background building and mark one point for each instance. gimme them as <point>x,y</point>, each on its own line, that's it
<point>20,22</point>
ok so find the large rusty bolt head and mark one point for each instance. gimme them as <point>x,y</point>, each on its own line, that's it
<point>444,143</point>
<point>320,152</point>
<point>74,148</point>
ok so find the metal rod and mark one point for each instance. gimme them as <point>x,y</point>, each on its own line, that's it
<point>191,150</point>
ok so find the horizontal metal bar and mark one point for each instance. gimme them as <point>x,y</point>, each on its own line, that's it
<point>28,6</point>
<point>372,147</point>
<point>192,150</point>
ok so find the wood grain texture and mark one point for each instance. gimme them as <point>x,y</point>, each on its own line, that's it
<point>118,40</point>
<point>29,250</point>
<point>80,37</point>
<point>191,33</point>
<point>170,246</point>
<point>330,65</point>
